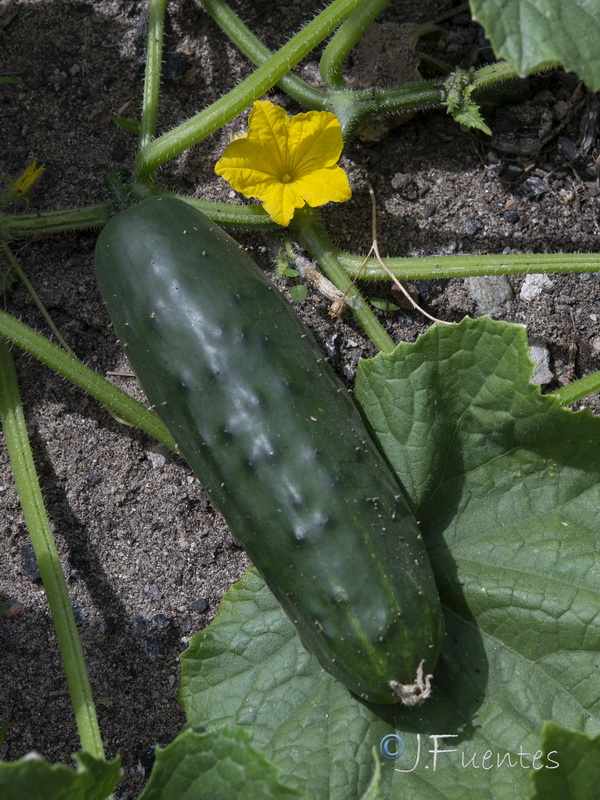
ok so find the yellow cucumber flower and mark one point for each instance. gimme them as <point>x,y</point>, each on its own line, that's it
<point>287,161</point>
<point>20,188</point>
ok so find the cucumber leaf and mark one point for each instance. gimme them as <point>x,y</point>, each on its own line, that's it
<point>220,765</point>
<point>575,775</point>
<point>373,789</point>
<point>298,293</point>
<point>35,778</point>
<point>506,486</point>
<point>128,124</point>
<point>531,33</point>
<point>248,668</point>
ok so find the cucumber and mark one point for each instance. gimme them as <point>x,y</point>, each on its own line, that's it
<point>277,442</point>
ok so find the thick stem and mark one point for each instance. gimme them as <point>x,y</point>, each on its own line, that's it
<point>119,403</point>
<point>313,237</point>
<point>258,53</point>
<point>36,519</point>
<point>577,390</point>
<point>344,39</point>
<point>213,117</point>
<point>156,20</point>
<point>19,226</point>
<point>427,267</point>
<point>251,217</point>
<point>501,71</point>
<point>352,106</point>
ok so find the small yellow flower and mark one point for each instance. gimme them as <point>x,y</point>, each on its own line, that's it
<point>287,161</point>
<point>27,179</point>
<point>20,188</point>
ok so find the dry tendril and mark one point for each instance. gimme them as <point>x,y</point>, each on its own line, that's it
<point>374,250</point>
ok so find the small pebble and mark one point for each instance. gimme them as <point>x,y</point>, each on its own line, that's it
<point>405,185</point>
<point>157,460</point>
<point>79,612</point>
<point>201,605</point>
<point>491,293</point>
<point>560,110</point>
<point>566,148</point>
<point>511,173</point>
<point>473,225</point>
<point>534,285</point>
<point>534,187</point>
<point>541,358</point>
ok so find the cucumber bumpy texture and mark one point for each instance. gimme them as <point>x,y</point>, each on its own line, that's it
<point>277,442</point>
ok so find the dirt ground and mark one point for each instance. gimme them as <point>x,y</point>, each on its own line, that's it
<point>146,556</point>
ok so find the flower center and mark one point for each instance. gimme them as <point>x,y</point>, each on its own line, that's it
<point>287,178</point>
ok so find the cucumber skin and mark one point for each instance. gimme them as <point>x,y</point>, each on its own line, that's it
<point>276,440</point>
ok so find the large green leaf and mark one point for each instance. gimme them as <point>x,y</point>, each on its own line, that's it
<point>531,33</point>
<point>506,486</point>
<point>248,668</point>
<point>33,778</point>
<point>214,765</point>
<point>575,773</point>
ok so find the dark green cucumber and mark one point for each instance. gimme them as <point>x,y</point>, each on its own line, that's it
<point>277,442</point>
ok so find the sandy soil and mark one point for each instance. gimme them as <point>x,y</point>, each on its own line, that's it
<point>146,556</point>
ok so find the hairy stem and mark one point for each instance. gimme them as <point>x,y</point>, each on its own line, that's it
<point>577,390</point>
<point>213,117</point>
<point>119,403</point>
<point>20,226</point>
<point>344,39</point>
<point>48,560</point>
<point>156,19</point>
<point>258,53</point>
<point>243,217</point>
<point>501,71</point>
<point>463,266</point>
<point>313,237</point>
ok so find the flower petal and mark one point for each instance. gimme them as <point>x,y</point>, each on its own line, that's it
<point>282,201</point>
<point>314,140</point>
<point>268,129</point>
<point>246,167</point>
<point>324,186</point>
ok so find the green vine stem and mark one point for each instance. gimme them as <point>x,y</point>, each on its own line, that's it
<point>352,106</point>
<point>243,217</point>
<point>156,18</point>
<point>312,235</point>
<point>501,71</point>
<point>34,296</point>
<point>207,121</point>
<point>464,266</point>
<point>118,402</point>
<point>55,587</point>
<point>21,226</point>
<point>251,46</point>
<point>344,39</point>
<point>250,217</point>
<point>578,390</point>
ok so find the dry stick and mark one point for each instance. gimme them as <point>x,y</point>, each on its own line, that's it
<point>375,251</point>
